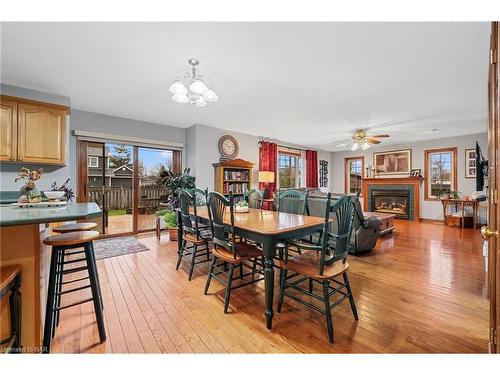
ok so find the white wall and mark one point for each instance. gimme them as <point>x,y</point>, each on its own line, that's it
<point>202,151</point>
<point>9,170</point>
<point>428,209</point>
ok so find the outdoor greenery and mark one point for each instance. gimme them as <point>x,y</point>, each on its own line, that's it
<point>117,212</point>
<point>121,156</point>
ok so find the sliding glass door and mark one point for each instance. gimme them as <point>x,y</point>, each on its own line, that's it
<point>126,182</point>
<point>153,165</point>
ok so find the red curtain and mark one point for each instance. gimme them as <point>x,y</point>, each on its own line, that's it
<point>268,157</point>
<point>311,169</point>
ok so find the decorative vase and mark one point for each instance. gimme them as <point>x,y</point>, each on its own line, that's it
<point>26,188</point>
<point>34,196</point>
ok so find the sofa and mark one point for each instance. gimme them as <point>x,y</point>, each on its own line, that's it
<point>366,230</point>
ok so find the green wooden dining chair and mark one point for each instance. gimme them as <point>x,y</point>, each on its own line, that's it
<point>227,251</point>
<point>322,264</point>
<point>292,202</point>
<point>195,238</point>
<point>254,198</point>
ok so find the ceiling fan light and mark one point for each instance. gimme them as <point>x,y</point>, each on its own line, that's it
<point>211,96</point>
<point>180,98</point>
<point>198,87</point>
<point>354,146</point>
<point>365,146</point>
<point>178,88</point>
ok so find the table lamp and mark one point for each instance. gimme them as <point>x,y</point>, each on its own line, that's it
<point>266,177</point>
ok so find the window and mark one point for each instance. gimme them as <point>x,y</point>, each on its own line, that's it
<point>93,162</point>
<point>440,171</point>
<point>289,169</point>
<point>353,170</point>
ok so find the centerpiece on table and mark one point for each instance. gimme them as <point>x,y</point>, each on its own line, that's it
<point>242,207</point>
<point>28,192</point>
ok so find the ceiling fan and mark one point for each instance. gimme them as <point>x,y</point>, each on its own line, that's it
<point>361,140</point>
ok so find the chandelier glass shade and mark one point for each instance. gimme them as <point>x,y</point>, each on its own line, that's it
<point>191,86</point>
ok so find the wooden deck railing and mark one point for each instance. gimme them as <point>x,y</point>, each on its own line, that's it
<point>119,198</point>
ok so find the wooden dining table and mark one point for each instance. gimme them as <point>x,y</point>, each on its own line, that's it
<point>267,228</point>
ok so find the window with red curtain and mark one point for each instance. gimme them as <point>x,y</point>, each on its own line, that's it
<point>311,169</point>
<point>268,154</point>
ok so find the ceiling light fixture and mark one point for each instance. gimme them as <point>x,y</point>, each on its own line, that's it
<point>192,87</point>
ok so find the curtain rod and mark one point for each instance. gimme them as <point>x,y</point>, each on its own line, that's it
<point>288,147</point>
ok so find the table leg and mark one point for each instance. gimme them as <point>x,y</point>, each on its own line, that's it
<point>269,252</point>
<point>463,217</point>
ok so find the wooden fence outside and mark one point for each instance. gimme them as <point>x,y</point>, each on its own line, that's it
<point>120,198</point>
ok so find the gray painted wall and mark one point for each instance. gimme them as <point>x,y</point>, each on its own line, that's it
<point>89,121</point>
<point>8,171</point>
<point>428,209</point>
<point>202,151</point>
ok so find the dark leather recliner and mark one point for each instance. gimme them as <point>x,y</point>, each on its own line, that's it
<point>366,230</point>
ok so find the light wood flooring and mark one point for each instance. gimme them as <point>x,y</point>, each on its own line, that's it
<point>422,289</point>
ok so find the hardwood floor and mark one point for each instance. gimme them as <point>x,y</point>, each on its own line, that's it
<point>422,289</point>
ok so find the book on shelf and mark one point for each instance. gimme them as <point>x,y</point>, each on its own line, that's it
<point>235,187</point>
<point>235,175</point>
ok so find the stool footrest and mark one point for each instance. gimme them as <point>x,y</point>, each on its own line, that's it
<point>74,281</point>
<point>73,261</point>
<point>73,270</point>
<point>75,304</point>
<point>72,290</point>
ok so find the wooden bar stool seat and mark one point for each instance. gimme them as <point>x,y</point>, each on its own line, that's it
<point>64,262</point>
<point>76,227</point>
<point>10,281</point>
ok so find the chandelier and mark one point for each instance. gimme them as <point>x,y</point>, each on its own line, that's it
<point>192,87</point>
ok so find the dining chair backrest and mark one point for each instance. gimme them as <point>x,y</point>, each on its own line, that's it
<point>200,197</point>
<point>335,246</point>
<point>292,202</point>
<point>189,220</point>
<point>254,198</point>
<point>217,205</point>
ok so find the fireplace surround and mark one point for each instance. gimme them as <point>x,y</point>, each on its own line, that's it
<point>395,195</point>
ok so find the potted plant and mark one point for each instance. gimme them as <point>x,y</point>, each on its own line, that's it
<point>174,183</point>
<point>28,191</point>
<point>170,220</point>
<point>443,194</point>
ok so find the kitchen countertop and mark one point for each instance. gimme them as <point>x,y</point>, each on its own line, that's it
<point>11,215</point>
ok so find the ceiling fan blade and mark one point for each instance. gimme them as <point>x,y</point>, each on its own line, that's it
<point>380,136</point>
<point>372,141</point>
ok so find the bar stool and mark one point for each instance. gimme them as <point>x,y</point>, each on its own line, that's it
<point>76,227</point>
<point>60,244</point>
<point>10,280</point>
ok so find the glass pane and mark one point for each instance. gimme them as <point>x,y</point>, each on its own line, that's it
<point>118,188</point>
<point>152,195</point>
<point>441,174</point>
<point>95,192</point>
<point>289,169</point>
<point>355,173</point>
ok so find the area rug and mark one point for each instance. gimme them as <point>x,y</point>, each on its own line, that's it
<point>113,247</point>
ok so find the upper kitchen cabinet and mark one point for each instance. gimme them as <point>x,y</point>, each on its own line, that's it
<point>38,132</point>
<point>8,130</point>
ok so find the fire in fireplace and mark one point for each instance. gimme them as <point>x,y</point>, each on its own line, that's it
<point>391,202</point>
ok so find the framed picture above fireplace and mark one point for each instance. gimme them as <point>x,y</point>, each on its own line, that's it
<point>397,162</point>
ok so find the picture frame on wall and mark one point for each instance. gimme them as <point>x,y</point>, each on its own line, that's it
<point>416,172</point>
<point>396,162</point>
<point>470,163</point>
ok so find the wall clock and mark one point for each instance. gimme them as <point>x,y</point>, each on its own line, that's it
<point>228,147</point>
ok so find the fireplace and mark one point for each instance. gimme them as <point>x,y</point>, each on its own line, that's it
<point>397,195</point>
<point>391,201</point>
